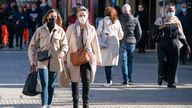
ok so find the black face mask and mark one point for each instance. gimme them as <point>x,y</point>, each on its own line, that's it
<point>51,22</point>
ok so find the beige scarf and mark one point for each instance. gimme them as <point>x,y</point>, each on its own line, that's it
<point>86,33</point>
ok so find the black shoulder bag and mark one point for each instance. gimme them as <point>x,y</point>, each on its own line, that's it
<point>156,33</point>
<point>46,54</point>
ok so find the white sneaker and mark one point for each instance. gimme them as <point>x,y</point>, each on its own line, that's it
<point>108,84</point>
<point>111,83</point>
<point>44,106</point>
<point>49,106</point>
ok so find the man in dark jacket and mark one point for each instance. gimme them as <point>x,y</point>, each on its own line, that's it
<point>143,20</point>
<point>44,7</point>
<point>33,22</point>
<point>132,33</point>
<point>20,19</point>
<point>185,18</point>
<point>10,11</point>
<point>1,23</point>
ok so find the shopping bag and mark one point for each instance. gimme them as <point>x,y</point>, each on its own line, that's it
<point>32,85</point>
<point>103,41</point>
<point>63,77</point>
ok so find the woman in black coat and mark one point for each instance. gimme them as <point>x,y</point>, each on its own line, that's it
<point>168,46</point>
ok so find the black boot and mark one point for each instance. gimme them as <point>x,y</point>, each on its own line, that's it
<point>160,80</point>
<point>85,94</point>
<point>170,85</point>
<point>75,94</point>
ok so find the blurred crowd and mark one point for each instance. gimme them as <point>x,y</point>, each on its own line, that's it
<point>19,22</point>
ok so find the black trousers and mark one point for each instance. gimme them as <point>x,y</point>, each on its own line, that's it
<point>142,42</point>
<point>11,32</point>
<point>108,73</point>
<point>85,71</point>
<point>19,37</point>
<point>168,58</point>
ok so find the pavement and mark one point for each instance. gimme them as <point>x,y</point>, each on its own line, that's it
<point>144,93</point>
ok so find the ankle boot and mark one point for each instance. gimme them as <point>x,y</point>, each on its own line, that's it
<point>160,80</point>
<point>170,85</point>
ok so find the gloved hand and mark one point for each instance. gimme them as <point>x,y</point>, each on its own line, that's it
<point>188,49</point>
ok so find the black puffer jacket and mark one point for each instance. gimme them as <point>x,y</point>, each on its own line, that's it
<point>131,28</point>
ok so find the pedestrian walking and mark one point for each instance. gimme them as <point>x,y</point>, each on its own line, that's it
<point>132,33</point>
<point>1,23</point>
<point>20,19</point>
<point>168,45</point>
<point>10,11</point>
<point>143,20</point>
<point>49,39</point>
<point>185,18</point>
<point>110,55</point>
<point>82,35</point>
<point>72,18</point>
<point>33,20</point>
<point>44,7</point>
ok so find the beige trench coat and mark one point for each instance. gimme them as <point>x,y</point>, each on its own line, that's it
<point>110,55</point>
<point>93,46</point>
<point>41,41</point>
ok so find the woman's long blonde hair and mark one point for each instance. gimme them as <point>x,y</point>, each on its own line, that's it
<point>59,21</point>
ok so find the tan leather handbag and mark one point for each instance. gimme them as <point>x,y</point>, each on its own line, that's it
<point>80,57</point>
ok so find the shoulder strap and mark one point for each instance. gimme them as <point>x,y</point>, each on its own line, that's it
<point>162,20</point>
<point>52,35</point>
<point>103,27</point>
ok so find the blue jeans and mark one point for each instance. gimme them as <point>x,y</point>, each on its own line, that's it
<point>126,53</point>
<point>47,81</point>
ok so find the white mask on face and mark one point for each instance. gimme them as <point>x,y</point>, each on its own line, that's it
<point>82,20</point>
<point>171,14</point>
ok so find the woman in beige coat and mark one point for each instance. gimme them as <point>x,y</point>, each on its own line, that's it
<point>82,35</point>
<point>50,36</point>
<point>110,55</point>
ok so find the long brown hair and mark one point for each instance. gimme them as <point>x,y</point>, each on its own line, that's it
<point>112,13</point>
<point>59,21</point>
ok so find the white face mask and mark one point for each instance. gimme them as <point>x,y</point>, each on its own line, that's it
<point>171,14</point>
<point>82,20</point>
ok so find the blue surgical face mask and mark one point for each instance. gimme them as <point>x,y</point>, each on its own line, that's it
<point>184,10</point>
<point>171,14</point>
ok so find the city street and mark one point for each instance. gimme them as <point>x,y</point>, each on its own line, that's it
<point>144,93</point>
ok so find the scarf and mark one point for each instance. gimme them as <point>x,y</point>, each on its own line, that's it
<point>172,20</point>
<point>85,36</point>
